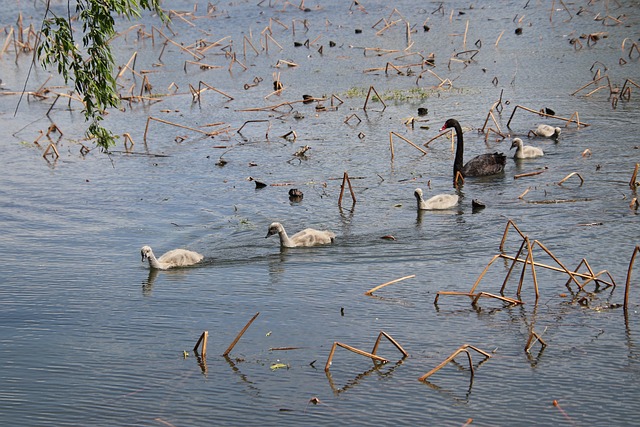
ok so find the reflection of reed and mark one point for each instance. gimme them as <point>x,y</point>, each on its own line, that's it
<point>450,393</point>
<point>356,380</point>
<point>243,377</point>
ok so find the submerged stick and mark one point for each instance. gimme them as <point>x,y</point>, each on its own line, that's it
<point>235,341</point>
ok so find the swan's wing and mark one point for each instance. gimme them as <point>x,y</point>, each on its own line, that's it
<point>485,164</point>
<point>180,257</point>
<point>312,237</point>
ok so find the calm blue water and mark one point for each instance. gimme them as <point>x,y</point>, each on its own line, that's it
<point>89,336</point>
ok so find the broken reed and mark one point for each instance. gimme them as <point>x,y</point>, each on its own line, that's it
<point>528,261</point>
<point>373,356</point>
<point>462,349</point>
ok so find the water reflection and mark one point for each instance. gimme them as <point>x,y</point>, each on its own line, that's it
<point>358,378</point>
<point>251,387</point>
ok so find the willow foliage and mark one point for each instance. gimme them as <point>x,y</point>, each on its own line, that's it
<point>91,66</point>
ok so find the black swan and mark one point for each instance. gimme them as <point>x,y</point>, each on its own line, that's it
<point>482,165</point>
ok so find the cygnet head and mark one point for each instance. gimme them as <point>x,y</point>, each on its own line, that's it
<point>145,252</point>
<point>274,228</point>
<point>516,142</point>
<point>557,131</point>
<point>418,193</point>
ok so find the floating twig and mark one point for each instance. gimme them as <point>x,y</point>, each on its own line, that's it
<point>371,291</point>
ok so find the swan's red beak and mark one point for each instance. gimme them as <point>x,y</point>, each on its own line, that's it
<point>443,127</point>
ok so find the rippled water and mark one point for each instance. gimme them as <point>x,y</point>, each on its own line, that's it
<point>88,336</point>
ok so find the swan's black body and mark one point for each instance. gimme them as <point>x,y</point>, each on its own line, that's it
<point>482,165</point>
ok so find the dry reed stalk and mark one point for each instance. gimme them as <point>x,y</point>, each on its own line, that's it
<point>502,298</point>
<point>5,45</point>
<point>284,348</point>
<point>51,149</point>
<point>493,117</point>
<point>391,134</point>
<point>128,141</point>
<point>500,134</point>
<point>345,179</point>
<point>387,26</point>
<point>371,291</point>
<point>591,276</point>
<point>200,65</point>
<point>290,136</point>
<point>529,260</point>
<point>150,118</point>
<point>272,20</point>
<point>633,182</point>
<point>246,41</point>
<point>234,60</point>
<point>524,193</point>
<point>628,283</point>
<point>372,89</point>
<point>256,121</point>
<point>235,341</point>
<point>594,82</point>
<point>569,120</point>
<point>498,39</point>
<point>196,55</point>
<point>181,16</point>
<point>526,174</point>
<point>287,63</point>
<point>533,338</point>
<point>394,342</point>
<point>379,51</point>
<point>462,348</point>
<point>569,176</point>
<point>207,86</point>
<point>352,349</point>
<point>464,39</point>
<point>426,144</point>
<point>349,117</point>
<point>269,37</point>
<point>513,264</point>
<point>127,65</point>
<point>203,339</point>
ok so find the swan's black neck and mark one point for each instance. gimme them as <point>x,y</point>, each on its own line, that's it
<point>458,163</point>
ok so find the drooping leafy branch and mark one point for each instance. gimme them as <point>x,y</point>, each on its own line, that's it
<point>90,67</point>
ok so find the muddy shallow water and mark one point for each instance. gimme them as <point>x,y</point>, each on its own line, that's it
<point>89,336</point>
